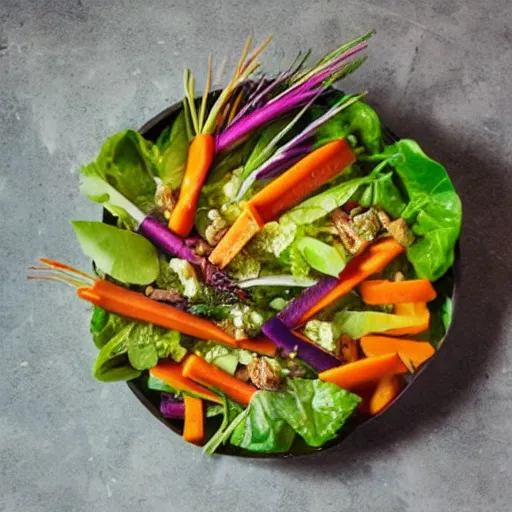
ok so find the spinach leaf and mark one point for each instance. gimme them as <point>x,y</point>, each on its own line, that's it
<point>441,317</point>
<point>105,325</point>
<point>212,312</point>
<point>434,209</point>
<point>358,119</point>
<point>128,163</point>
<point>316,410</point>
<point>263,430</point>
<point>173,144</point>
<point>111,363</point>
<point>384,193</point>
<point>124,255</point>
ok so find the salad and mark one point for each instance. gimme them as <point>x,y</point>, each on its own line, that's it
<point>272,267</point>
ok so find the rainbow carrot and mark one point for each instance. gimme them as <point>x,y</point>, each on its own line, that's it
<point>193,430</point>
<point>202,148</point>
<point>352,375</point>
<point>388,388</point>
<point>372,260</point>
<point>171,373</point>
<point>207,374</point>
<point>416,309</point>
<point>417,351</point>
<point>380,292</point>
<point>289,189</point>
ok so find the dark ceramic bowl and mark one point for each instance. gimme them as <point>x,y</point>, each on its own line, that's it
<point>150,399</point>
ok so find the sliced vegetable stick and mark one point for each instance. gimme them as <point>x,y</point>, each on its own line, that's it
<point>388,388</point>
<point>207,374</point>
<point>245,227</point>
<point>416,309</point>
<point>417,351</point>
<point>117,299</point>
<point>200,157</point>
<point>372,260</point>
<point>261,345</point>
<point>394,292</point>
<point>193,430</point>
<point>300,180</point>
<point>365,391</point>
<point>171,373</point>
<point>351,375</point>
<point>303,178</point>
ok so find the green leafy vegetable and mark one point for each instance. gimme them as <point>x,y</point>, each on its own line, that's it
<point>124,255</point>
<point>316,410</point>
<point>105,325</point>
<point>441,317</point>
<point>434,209</point>
<point>111,363</point>
<point>263,430</point>
<point>272,240</point>
<point>128,163</point>
<point>243,267</point>
<point>173,145</point>
<point>384,193</point>
<point>167,278</point>
<point>359,119</point>
<point>320,256</point>
<point>322,204</point>
<point>147,343</point>
<point>212,312</point>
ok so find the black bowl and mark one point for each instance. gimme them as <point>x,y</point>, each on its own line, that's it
<point>150,399</point>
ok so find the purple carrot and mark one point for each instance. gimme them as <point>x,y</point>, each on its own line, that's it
<point>319,359</point>
<point>170,407</point>
<point>290,316</point>
<point>320,76</point>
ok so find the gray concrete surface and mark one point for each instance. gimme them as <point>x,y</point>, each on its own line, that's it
<point>73,72</point>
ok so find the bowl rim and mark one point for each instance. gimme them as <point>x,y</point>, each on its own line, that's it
<point>150,130</point>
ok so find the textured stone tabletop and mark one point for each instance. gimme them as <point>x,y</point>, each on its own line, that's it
<point>73,72</point>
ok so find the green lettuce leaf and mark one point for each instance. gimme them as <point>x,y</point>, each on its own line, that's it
<point>111,363</point>
<point>272,240</point>
<point>434,209</point>
<point>173,145</point>
<point>129,164</point>
<point>124,255</point>
<point>147,343</point>
<point>105,325</point>
<point>263,430</point>
<point>316,410</point>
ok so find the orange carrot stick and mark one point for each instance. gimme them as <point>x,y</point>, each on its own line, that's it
<point>351,375</point>
<point>372,260</point>
<point>193,430</point>
<point>199,160</point>
<point>365,391</point>
<point>171,373</point>
<point>417,351</point>
<point>207,374</point>
<point>388,388</point>
<point>262,346</point>
<point>416,309</point>
<point>244,228</point>
<point>303,178</point>
<point>396,292</point>
<point>117,299</point>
